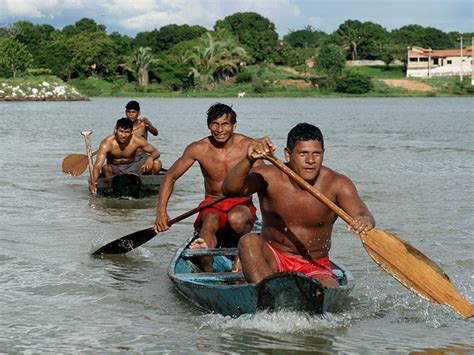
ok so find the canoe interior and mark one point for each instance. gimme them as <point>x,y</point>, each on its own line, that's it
<point>129,185</point>
<point>229,294</point>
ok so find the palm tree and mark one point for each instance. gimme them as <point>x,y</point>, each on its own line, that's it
<point>217,57</point>
<point>143,61</point>
<point>349,36</point>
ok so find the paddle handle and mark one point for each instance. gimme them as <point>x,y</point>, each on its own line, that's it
<point>305,185</point>
<point>87,140</point>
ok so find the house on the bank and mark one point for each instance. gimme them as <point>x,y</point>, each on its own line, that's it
<point>427,62</point>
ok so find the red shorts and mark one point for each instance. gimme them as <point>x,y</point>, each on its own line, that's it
<point>222,208</point>
<point>290,262</point>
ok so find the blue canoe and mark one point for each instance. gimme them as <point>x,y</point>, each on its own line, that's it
<point>229,294</point>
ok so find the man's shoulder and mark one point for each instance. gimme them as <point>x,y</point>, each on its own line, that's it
<point>240,138</point>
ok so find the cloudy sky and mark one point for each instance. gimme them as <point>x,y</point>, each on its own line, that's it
<point>132,16</point>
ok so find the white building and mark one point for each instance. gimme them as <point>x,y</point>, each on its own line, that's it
<point>427,62</point>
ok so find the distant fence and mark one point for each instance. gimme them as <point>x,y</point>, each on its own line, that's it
<point>371,63</point>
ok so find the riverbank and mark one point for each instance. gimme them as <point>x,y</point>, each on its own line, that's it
<point>295,84</point>
<point>43,88</point>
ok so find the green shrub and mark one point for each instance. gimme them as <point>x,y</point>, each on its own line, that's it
<point>39,71</point>
<point>353,83</point>
<point>259,87</point>
<point>324,83</point>
<point>244,77</point>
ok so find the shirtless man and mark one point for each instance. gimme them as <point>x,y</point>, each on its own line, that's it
<point>141,127</point>
<point>216,155</point>
<point>297,228</point>
<point>120,149</point>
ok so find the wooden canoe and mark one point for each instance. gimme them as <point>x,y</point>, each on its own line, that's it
<point>228,293</point>
<point>130,186</point>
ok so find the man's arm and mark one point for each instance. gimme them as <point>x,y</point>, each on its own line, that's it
<point>99,162</point>
<point>349,200</point>
<point>149,126</point>
<point>154,154</point>
<point>178,168</point>
<point>240,181</point>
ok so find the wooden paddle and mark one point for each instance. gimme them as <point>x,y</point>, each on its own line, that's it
<point>87,141</point>
<point>403,261</point>
<point>76,164</point>
<point>134,240</point>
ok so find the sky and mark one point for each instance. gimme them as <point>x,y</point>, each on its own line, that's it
<point>132,16</point>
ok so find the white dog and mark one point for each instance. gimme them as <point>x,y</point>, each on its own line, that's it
<point>241,94</point>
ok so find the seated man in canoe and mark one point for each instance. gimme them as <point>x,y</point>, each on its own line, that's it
<point>296,233</point>
<point>119,150</point>
<point>223,223</point>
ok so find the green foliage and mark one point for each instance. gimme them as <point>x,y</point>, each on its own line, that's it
<point>172,74</point>
<point>330,59</point>
<point>92,53</point>
<point>381,72</point>
<point>33,36</point>
<point>244,77</point>
<point>416,35</point>
<point>216,58</point>
<point>14,56</point>
<point>305,38</point>
<point>255,32</point>
<point>84,25</point>
<point>168,36</point>
<point>56,55</point>
<point>353,83</point>
<point>287,55</point>
<point>356,38</point>
<point>324,83</point>
<point>39,71</point>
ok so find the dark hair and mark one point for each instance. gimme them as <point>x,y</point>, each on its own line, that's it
<point>217,110</point>
<point>304,132</point>
<point>124,123</point>
<point>133,105</point>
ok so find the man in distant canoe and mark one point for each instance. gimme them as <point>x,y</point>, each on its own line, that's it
<point>119,150</point>
<point>141,126</point>
<point>296,234</point>
<point>216,155</point>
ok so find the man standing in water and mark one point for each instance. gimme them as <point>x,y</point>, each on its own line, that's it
<point>216,155</point>
<point>296,234</point>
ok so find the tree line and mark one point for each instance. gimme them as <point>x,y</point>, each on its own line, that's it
<point>184,56</point>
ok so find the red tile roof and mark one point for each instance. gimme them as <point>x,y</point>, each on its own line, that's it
<point>440,53</point>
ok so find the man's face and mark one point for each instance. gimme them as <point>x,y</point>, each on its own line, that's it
<point>132,115</point>
<point>221,128</point>
<point>306,159</point>
<point>123,135</point>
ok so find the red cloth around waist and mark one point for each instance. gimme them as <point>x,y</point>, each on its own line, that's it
<point>222,208</point>
<point>290,262</point>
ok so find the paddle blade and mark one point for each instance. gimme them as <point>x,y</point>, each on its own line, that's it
<point>414,270</point>
<point>127,243</point>
<point>75,164</point>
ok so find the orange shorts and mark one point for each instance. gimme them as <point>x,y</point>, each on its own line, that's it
<point>222,208</point>
<point>290,262</point>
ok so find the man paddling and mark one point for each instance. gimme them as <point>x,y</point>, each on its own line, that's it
<point>296,234</point>
<point>216,155</point>
<point>119,150</point>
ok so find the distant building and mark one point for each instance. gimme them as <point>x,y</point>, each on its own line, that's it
<point>427,62</point>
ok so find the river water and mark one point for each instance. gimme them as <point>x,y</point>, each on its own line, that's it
<point>411,159</point>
